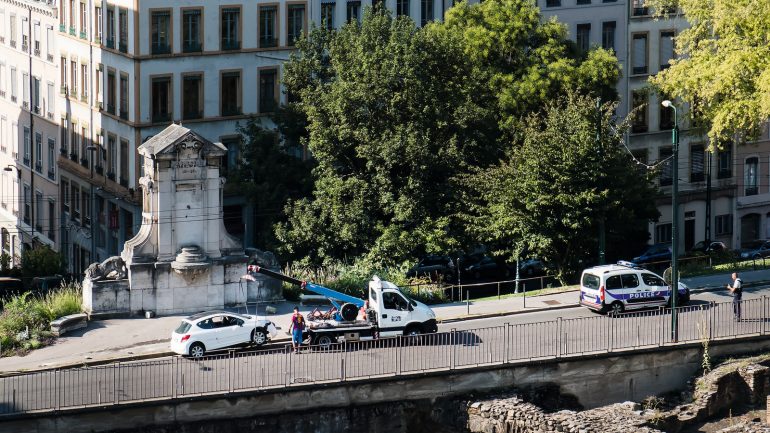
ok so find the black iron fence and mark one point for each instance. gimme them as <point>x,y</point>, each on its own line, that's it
<point>251,370</point>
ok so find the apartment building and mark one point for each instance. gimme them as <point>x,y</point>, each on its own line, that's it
<point>596,23</point>
<point>707,187</point>
<point>28,127</point>
<point>84,82</point>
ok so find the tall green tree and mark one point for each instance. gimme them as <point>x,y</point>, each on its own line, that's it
<point>394,113</point>
<point>722,67</point>
<point>528,60</point>
<point>269,173</point>
<point>549,192</point>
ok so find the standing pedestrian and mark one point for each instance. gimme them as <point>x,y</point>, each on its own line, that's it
<point>296,328</point>
<point>737,291</point>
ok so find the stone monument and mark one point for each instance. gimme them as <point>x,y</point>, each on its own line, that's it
<point>182,259</point>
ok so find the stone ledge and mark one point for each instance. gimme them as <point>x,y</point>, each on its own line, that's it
<point>65,324</point>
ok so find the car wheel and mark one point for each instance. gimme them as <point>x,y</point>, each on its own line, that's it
<point>412,332</point>
<point>197,350</point>
<point>258,337</point>
<point>324,342</point>
<point>616,308</point>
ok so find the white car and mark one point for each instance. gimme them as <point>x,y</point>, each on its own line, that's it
<point>212,330</point>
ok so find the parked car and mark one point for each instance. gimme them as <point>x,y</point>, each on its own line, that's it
<point>707,247</point>
<point>654,253</point>
<point>531,267</point>
<point>44,284</point>
<point>488,267</point>
<point>10,286</point>
<point>434,267</point>
<point>755,249</point>
<point>213,330</point>
<point>616,288</point>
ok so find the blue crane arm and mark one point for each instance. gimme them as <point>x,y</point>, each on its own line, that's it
<point>333,294</point>
<point>315,288</point>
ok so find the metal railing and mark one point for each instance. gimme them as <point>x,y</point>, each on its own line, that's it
<point>251,370</point>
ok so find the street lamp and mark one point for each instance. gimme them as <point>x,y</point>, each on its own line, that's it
<point>91,148</point>
<point>674,219</point>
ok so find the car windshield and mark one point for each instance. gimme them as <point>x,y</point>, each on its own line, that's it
<point>183,327</point>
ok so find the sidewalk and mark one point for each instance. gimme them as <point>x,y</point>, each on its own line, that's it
<point>136,338</point>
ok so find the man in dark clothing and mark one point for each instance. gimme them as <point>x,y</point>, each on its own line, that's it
<point>737,291</point>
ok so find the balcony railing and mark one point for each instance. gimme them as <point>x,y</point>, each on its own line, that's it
<point>161,48</point>
<point>83,35</point>
<point>84,162</point>
<point>124,113</point>
<point>13,43</point>
<point>110,43</point>
<point>51,175</point>
<point>161,117</point>
<point>192,47</point>
<point>231,45</point>
<point>724,174</point>
<point>752,190</point>
<point>72,31</point>
<point>62,28</point>
<point>231,111</point>
<point>63,151</point>
<point>25,160</point>
<point>111,175</point>
<point>123,182</point>
<point>39,167</point>
<point>193,115</point>
<point>99,169</point>
<point>123,48</point>
<point>74,157</point>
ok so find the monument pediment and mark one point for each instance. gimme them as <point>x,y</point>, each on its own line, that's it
<point>177,142</point>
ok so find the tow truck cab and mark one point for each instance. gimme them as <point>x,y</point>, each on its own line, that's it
<point>396,313</point>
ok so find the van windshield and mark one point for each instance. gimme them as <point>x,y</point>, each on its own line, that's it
<point>590,281</point>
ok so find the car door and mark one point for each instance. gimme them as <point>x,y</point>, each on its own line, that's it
<point>395,313</point>
<point>635,294</point>
<point>207,333</point>
<point>658,288</point>
<point>237,332</point>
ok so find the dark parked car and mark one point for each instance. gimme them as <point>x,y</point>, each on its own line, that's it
<point>755,249</point>
<point>44,284</point>
<point>707,247</point>
<point>10,286</point>
<point>488,267</point>
<point>434,267</point>
<point>653,254</point>
<point>531,267</point>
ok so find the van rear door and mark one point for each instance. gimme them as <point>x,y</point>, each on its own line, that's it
<point>589,289</point>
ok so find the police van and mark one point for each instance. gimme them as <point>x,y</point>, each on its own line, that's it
<point>624,286</point>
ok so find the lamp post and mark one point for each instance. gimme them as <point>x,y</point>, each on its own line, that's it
<point>674,220</point>
<point>91,148</point>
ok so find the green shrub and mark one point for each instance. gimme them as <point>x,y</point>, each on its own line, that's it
<point>25,319</point>
<point>353,279</point>
<point>64,301</point>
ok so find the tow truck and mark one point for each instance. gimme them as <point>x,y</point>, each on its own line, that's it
<point>387,313</point>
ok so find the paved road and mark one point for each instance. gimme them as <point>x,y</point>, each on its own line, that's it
<point>489,341</point>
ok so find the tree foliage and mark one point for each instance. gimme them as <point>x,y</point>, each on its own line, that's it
<point>528,61</point>
<point>268,176</point>
<point>393,114</point>
<point>722,67</point>
<point>553,187</point>
<point>41,261</point>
